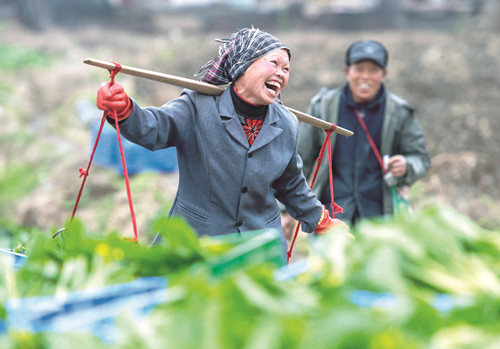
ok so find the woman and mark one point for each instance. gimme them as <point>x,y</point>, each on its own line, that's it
<point>237,152</point>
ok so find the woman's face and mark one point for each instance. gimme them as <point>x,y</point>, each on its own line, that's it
<point>264,79</point>
<point>365,78</point>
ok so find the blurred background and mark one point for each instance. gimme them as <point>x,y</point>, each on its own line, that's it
<point>444,60</point>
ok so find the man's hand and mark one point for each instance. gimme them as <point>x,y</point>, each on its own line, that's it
<point>113,97</point>
<point>397,165</point>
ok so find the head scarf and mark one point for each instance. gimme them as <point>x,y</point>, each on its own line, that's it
<point>237,53</point>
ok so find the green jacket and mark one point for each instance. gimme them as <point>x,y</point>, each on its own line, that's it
<point>401,134</point>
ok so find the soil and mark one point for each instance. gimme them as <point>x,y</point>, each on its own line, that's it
<point>450,77</point>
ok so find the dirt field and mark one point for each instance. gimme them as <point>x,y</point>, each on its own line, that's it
<point>450,77</point>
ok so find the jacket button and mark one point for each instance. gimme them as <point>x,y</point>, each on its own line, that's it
<point>240,223</point>
<point>244,190</point>
<point>250,155</point>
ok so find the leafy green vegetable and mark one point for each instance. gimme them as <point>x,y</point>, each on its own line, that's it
<point>426,280</point>
<point>74,260</point>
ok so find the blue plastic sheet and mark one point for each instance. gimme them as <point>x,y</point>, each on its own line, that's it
<point>17,259</point>
<point>92,310</point>
<point>362,298</point>
<point>292,270</point>
<point>138,159</point>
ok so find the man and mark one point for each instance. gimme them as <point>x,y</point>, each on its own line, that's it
<point>358,177</point>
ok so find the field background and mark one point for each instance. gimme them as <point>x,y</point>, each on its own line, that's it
<point>449,73</point>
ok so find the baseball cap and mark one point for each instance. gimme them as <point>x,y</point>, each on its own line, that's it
<point>367,49</point>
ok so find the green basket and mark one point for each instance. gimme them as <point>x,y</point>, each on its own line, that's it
<point>248,249</point>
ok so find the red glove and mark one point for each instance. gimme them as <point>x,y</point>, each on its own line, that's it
<point>326,223</point>
<point>113,97</point>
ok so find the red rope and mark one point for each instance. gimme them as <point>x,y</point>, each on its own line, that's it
<point>335,208</point>
<point>125,174</point>
<point>370,139</point>
<point>85,172</point>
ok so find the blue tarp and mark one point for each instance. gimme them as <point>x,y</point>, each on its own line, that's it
<point>138,159</point>
<point>17,259</point>
<point>92,310</point>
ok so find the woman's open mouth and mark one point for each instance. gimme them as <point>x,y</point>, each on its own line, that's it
<point>273,87</point>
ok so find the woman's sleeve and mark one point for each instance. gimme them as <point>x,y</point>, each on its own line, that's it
<point>162,127</point>
<point>293,191</point>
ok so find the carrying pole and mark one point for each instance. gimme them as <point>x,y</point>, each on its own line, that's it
<point>209,89</point>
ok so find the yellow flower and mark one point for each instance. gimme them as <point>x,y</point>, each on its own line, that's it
<point>102,250</point>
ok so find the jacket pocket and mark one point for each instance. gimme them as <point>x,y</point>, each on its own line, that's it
<point>193,215</point>
<point>275,217</point>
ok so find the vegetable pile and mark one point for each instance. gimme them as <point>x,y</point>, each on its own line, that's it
<point>430,280</point>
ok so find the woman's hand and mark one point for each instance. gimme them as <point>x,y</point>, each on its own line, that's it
<point>326,223</point>
<point>287,224</point>
<point>113,97</point>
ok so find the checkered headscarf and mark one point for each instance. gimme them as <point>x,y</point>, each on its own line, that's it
<point>237,53</point>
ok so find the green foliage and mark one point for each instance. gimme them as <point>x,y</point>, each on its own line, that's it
<point>75,260</point>
<point>419,281</point>
<point>415,261</point>
<point>17,57</point>
<point>13,235</point>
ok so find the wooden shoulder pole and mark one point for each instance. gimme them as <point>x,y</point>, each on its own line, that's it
<point>205,88</point>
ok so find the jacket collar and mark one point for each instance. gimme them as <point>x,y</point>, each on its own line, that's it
<point>231,122</point>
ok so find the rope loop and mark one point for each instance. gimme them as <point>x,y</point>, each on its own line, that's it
<point>332,129</point>
<point>114,71</point>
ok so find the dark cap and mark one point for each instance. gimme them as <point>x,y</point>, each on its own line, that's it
<point>368,49</point>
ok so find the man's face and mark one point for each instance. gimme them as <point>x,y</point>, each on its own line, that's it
<point>365,78</point>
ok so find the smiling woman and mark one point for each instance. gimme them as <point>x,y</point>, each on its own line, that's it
<point>265,78</point>
<point>237,152</point>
